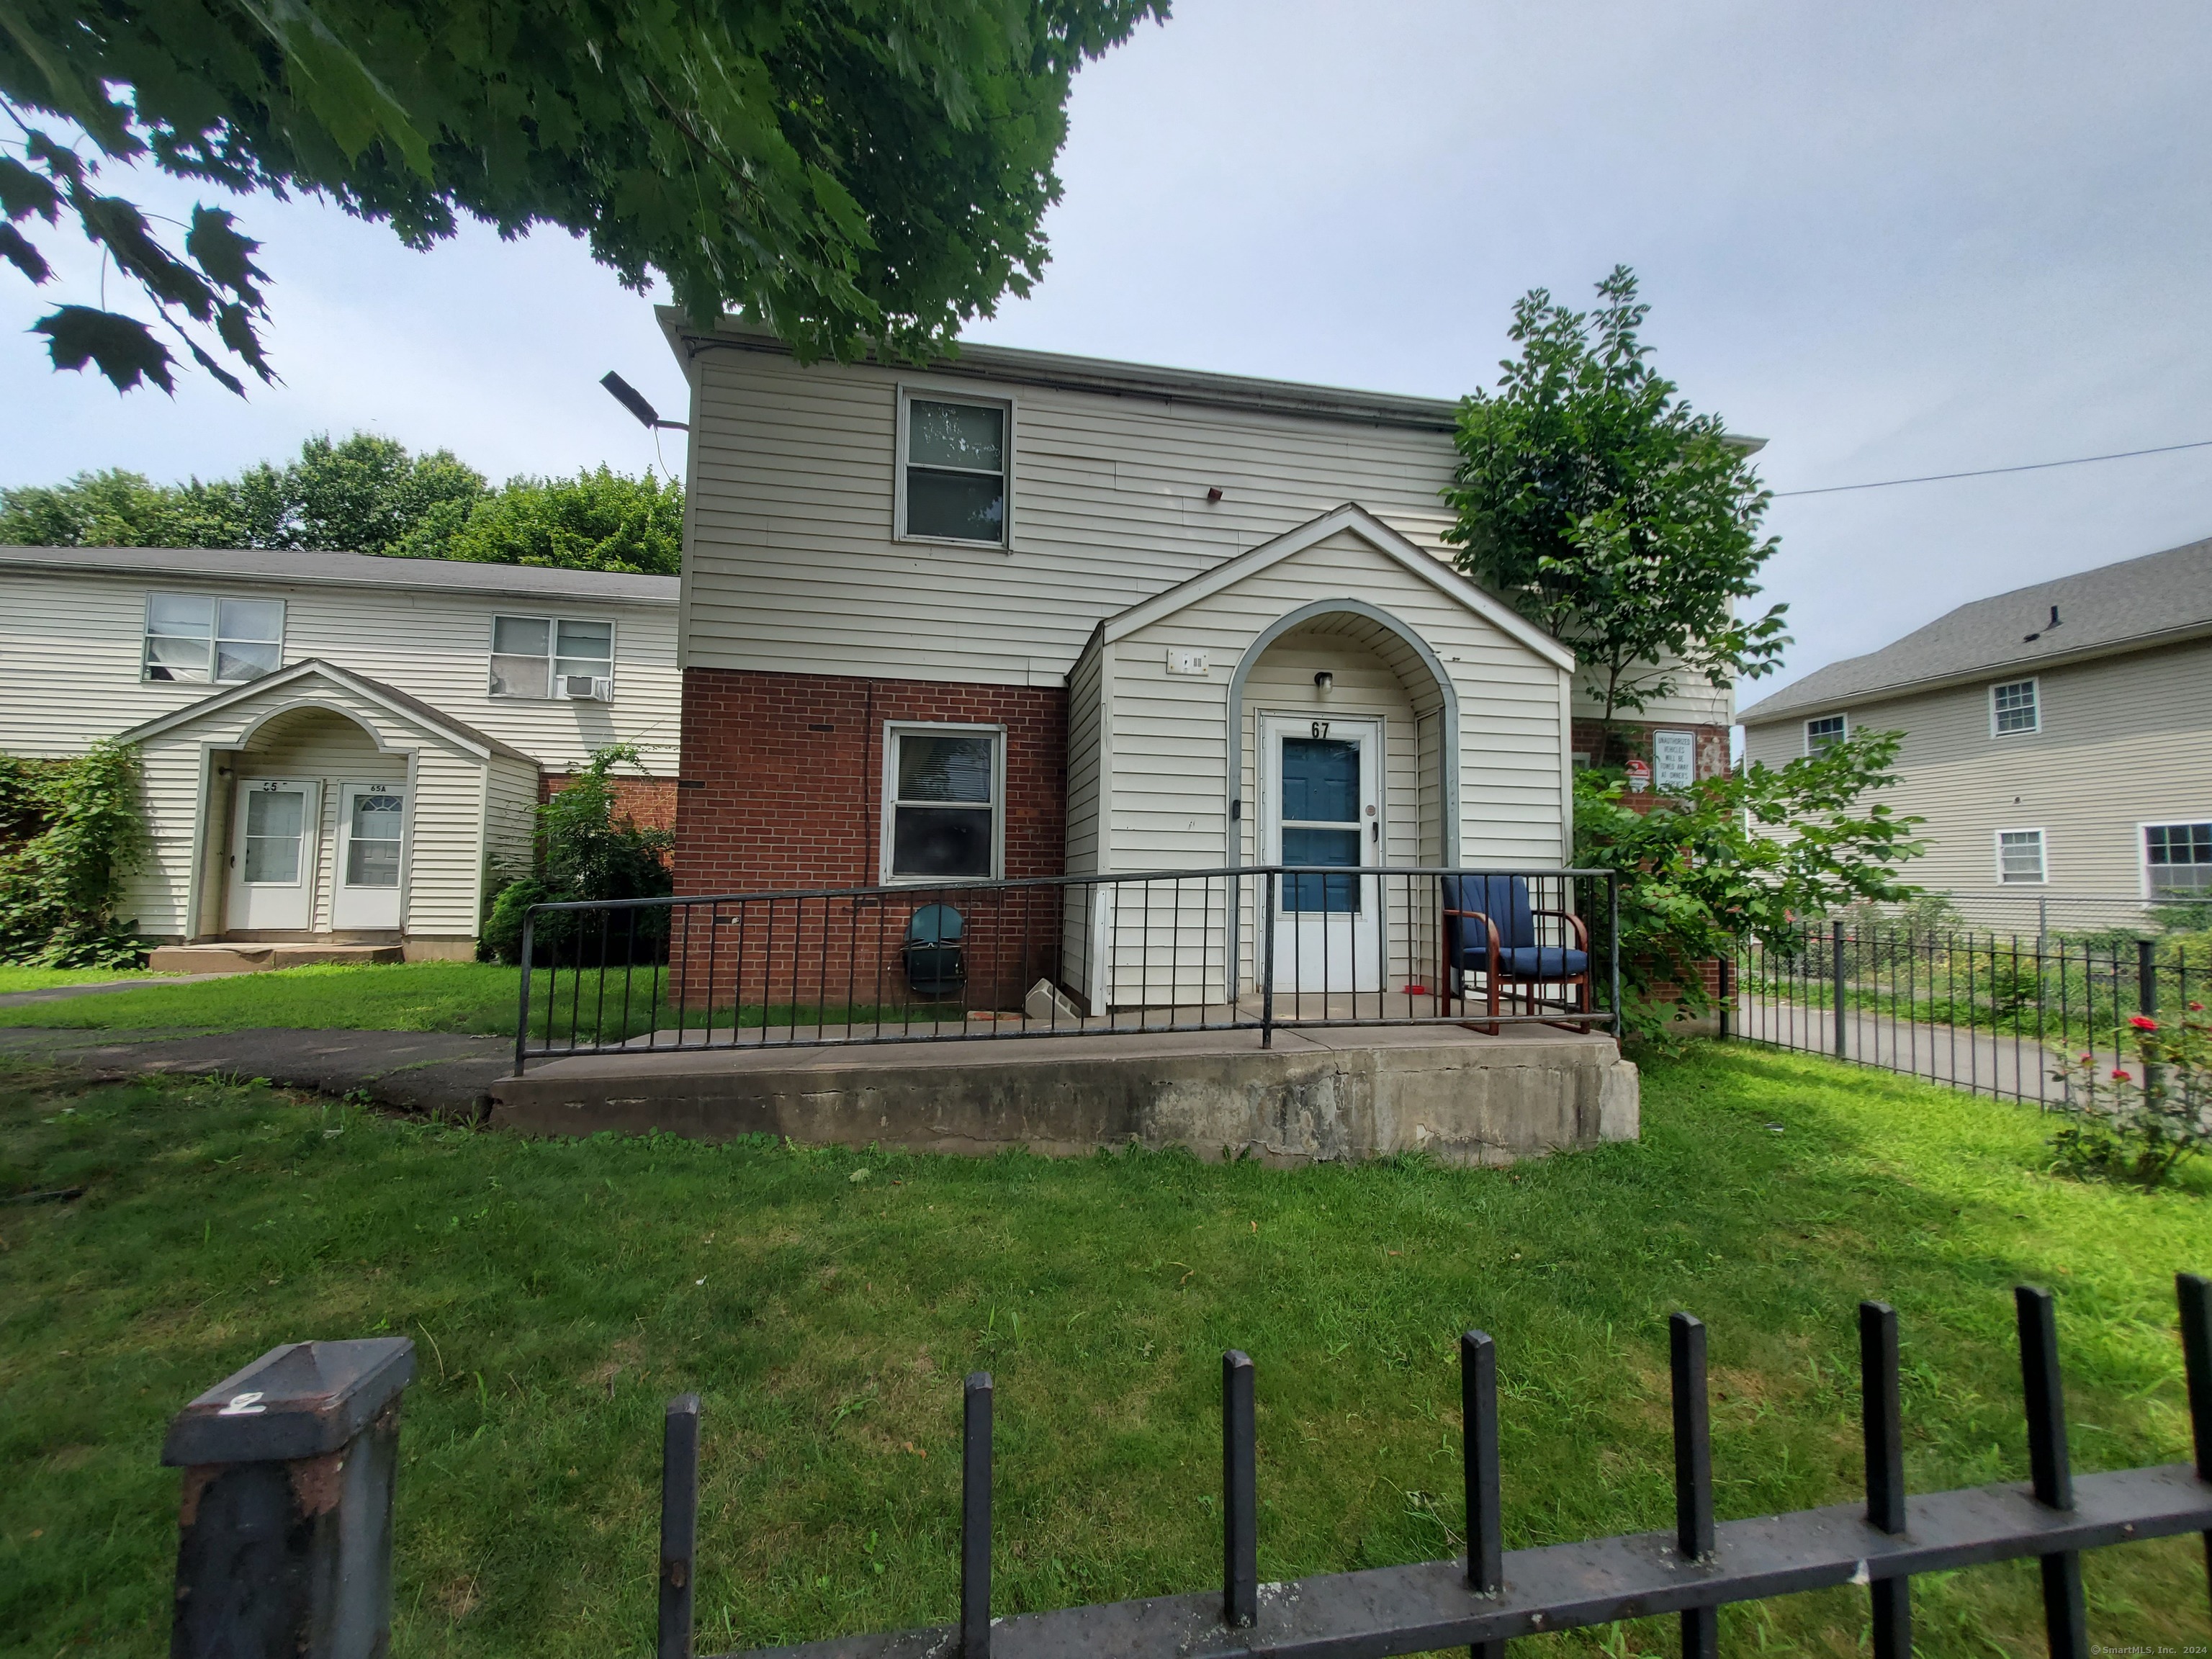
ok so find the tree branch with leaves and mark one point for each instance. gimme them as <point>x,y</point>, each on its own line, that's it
<point>1596,500</point>
<point>859,175</point>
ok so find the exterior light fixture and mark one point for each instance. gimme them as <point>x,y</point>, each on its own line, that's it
<point>1325,682</point>
<point>634,400</point>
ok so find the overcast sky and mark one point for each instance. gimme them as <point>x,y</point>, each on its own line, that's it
<point>1892,239</point>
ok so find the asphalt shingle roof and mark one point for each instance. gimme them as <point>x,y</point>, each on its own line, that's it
<point>351,570</point>
<point>2136,602</point>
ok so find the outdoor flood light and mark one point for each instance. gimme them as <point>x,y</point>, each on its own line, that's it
<point>634,400</point>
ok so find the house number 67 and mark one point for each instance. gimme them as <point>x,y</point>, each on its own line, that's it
<point>1320,728</point>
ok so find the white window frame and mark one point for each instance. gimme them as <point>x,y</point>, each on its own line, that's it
<point>930,394</point>
<point>888,808</point>
<point>552,621</point>
<point>1806,736</point>
<point>215,640</point>
<point>2042,855</point>
<point>2142,844</point>
<point>2034,683</point>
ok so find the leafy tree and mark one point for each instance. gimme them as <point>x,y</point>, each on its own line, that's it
<point>59,886</point>
<point>1739,857</point>
<point>599,521</point>
<point>1592,497</point>
<point>853,172</point>
<point>365,495</point>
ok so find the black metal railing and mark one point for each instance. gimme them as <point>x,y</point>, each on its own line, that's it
<point>1996,1014</point>
<point>1480,1600</point>
<point>1244,948</point>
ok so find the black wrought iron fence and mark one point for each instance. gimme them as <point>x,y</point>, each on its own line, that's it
<point>1250,947</point>
<point>277,1554</point>
<point>1480,1600</point>
<point>1996,1014</point>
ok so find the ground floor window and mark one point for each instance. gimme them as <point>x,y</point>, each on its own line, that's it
<point>943,785</point>
<point>2020,855</point>
<point>2177,859</point>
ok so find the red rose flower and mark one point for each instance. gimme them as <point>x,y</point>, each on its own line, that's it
<point>2118,1075</point>
<point>2143,1023</point>
<point>2195,1007</point>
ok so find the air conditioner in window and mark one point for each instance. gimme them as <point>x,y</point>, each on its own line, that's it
<point>587,687</point>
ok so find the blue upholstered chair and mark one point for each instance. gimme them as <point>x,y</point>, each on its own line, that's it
<point>935,966</point>
<point>1490,929</point>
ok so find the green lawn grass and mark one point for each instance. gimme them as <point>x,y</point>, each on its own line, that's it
<point>826,1303</point>
<point>13,978</point>
<point>477,997</point>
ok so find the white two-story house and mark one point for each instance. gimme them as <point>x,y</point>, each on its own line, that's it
<point>2054,741</point>
<point>337,749</point>
<point>1018,614</point>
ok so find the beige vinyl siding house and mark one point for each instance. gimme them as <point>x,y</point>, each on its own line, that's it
<point>333,754</point>
<point>2053,737</point>
<point>1146,593</point>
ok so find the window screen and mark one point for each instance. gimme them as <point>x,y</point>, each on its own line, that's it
<point>2020,855</point>
<point>2179,857</point>
<point>943,808</point>
<point>200,638</point>
<point>956,471</point>
<point>2012,707</point>
<point>531,655</point>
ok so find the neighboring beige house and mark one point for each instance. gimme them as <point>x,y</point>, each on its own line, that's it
<point>338,749</point>
<point>1017,614</point>
<point>2057,738</point>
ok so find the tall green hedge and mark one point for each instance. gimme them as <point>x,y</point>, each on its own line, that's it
<point>83,833</point>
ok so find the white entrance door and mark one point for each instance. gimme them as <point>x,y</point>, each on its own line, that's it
<point>1321,804</point>
<point>272,854</point>
<point>372,833</point>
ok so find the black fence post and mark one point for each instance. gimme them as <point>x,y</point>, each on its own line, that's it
<point>285,1534</point>
<point>1694,1474</point>
<point>1882,1412</point>
<point>679,1523</point>
<point>1836,978</point>
<point>522,1013</point>
<point>1477,1402</point>
<point>2065,1612</point>
<point>976,1517</point>
<point>2146,1006</point>
<point>2194,1294</point>
<point>1239,1498</point>
<point>1612,945</point>
<point>1267,963</point>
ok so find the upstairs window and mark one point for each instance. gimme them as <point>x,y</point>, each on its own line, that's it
<point>952,472</point>
<point>552,657</point>
<point>196,637</point>
<point>1820,733</point>
<point>2178,860</point>
<point>2013,708</point>
<point>2019,856</point>
<point>941,790</point>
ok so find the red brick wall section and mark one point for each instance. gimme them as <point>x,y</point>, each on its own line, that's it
<point>782,779</point>
<point>650,803</point>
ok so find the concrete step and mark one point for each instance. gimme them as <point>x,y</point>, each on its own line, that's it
<point>244,956</point>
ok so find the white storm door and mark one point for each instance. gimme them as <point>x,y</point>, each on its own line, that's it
<point>275,828</point>
<point>1320,792</point>
<point>371,842</point>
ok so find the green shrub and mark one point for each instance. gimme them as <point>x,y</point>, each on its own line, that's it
<point>2139,1125</point>
<point>586,850</point>
<point>59,886</point>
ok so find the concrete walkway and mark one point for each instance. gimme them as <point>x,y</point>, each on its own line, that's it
<point>436,1071</point>
<point>1986,1062</point>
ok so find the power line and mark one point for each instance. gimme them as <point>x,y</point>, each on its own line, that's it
<point>1991,472</point>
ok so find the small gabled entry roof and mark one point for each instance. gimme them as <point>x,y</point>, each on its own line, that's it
<point>391,698</point>
<point>1360,522</point>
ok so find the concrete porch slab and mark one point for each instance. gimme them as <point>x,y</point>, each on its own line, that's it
<point>240,956</point>
<point>1317,1095</point>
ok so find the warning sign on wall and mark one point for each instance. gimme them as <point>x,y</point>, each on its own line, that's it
<point>1674,760</point>
<point>1640,775</point>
